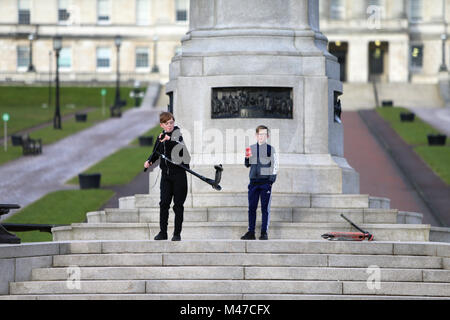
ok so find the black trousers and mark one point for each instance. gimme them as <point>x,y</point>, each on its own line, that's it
<point>173,186</point>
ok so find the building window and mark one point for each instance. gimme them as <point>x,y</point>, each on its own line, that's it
<point>337,9</point>
<point>23,57</point>
<point>142,12</point>
<point>181,7</point>
<point>65,58</point>
<point>103,11</point>
<point>103,58</point>
<point>24,11</point>
<point>63,10</point>
<point>415,10</point>
<point>142,58</point>
<point>416,57</point>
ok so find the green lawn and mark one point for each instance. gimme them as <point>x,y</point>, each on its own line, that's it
<point>438,158</point>
<point>60,207</point>
<point>66,207</point>
<point>120,167</point>
<point>415,134</point>
<point>30,113</point>
<point>69,127</point>
<point>25,103</point>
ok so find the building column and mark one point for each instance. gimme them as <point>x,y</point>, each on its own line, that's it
<point>358,9</point>
<point>358,61</point>
<point>397,10</point>
<point>399,60</point>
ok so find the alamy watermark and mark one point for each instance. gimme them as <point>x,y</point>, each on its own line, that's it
<point>375,14</point>
<point>374,280</point>
<point>226,146</point>
<point>73,281</point>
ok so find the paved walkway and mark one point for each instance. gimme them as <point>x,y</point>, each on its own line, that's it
<point>27,179</point>
<point>379,174</point>
<point>426,189</point>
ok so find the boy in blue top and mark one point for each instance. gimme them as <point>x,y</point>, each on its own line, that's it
<point>263,162</point>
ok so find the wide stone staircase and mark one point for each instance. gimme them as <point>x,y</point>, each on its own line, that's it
<point>113,255</point>
<point>137,218</point>
<point>242,270</point>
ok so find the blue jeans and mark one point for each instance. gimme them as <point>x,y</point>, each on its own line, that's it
<point>255,192</point>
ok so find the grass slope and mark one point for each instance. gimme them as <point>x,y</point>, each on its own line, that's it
<point>415,134</point>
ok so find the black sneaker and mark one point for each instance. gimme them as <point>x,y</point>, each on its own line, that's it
<point>176,237</point>
<point>263,236</point>
<point>249,236</point>
<point>161,236</point>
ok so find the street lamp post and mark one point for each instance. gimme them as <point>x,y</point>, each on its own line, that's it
<point>443,67</point>
<point>155,68</point>
<point>118,42</point>
<point>49,78</point>
<point>57,45</point>
<point>30,63</point>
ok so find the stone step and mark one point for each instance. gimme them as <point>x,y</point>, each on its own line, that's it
<point>248,259</point>
<point>238,273</point>
<point>234,230</point>
<point>89,260</point>
<point>345,274</point>
<point>296,287</point>
<point>238,270</point>
<point>303,260</point>
<point>233,199</point>
<point>398,288</point>
<point>133,296</point>
<point>213,297</point>
<point>176,287</point>
<point>68,287</point>
<point>139,273</point>
<point>270,246</point>
<point>240,214</point>
<point>335,297</point>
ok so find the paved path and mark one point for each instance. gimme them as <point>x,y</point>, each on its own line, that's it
<point>425,187</point>
<point>379,174</point>
<point>27,179</point>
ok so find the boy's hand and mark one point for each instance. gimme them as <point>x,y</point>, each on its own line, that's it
<point>166,137</point>
<point>248,152</point>
<point>147,164</point>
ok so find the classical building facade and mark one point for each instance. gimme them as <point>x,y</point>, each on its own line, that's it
<point>387,40</point>
<point>390,41</point>
<point>393,50</point>
<point>149,30</point>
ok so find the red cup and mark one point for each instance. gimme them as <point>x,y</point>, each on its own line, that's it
<point>248,152</point>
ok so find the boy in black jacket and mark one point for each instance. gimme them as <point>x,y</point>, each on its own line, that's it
<point>263,163</point>
<point>173,178</point>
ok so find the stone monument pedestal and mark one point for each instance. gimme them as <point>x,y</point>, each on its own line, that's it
<point>243,64</point>
<point>236,60</point>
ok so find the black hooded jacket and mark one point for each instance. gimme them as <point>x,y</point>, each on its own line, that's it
<point>174,149</point>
